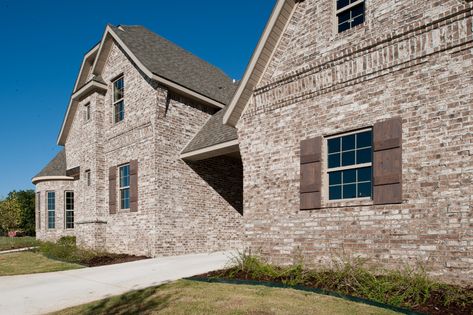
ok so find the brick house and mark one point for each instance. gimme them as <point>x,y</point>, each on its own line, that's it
<point>354,127</point>
<point>120,184</point>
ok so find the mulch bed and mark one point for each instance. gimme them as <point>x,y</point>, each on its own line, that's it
<point>433,306</point>
<point>111,259</point>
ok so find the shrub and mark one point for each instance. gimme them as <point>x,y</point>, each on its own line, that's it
<point>407,287</point>
<point>66,250</point>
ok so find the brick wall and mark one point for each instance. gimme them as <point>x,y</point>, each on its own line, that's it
<point>411,59</point>
<point>179,211</point>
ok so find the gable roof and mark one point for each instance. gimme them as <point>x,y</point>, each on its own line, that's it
<point>212,133</point>
<point>160,60</point>
<point>172,62</point>
<point>54,170</point>
<point>262,55</point>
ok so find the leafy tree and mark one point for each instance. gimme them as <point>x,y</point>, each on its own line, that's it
<point>26,200</point>
<point>10,214</point>
<point>17,212</point>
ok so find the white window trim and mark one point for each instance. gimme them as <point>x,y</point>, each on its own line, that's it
<point>124,187</point>
<point>48,210</point>
<point>348,7</point>
<point>66,210</point>
<point>328,170</point>
<point>114,102</point>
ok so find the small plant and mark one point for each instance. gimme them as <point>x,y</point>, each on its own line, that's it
<point>408,287</point>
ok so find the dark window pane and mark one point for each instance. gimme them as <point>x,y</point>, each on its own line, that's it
<point>343,27</point>
<point>364,174</point>
<point>358,10</point>
<point>335,178</point>
<point>364,139</point>
<point>358,20</point>
<point>348,142</point>
<point>364,190</point>
<point>344,17</point>
<point>363,156</point>
<point>349,176</point>
<point>348,158</point>
<point>334,160</point>
<point>342,3</point>
<point>334,145</point>
<point>335,192</point>
<point>349,191</point>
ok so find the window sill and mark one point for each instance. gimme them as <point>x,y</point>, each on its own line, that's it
<point>357,202</point>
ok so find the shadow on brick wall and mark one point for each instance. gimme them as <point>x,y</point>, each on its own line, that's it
<point>225,175</point>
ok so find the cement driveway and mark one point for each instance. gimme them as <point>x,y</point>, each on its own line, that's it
<point>48,292</point>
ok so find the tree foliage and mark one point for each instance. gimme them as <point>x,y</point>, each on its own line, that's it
<point>17,212</point>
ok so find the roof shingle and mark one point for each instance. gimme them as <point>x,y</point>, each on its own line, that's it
<point>56,167</point>
<point>174,63</point>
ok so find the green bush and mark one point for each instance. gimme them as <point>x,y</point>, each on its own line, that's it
<point>66,250</point>
<point>407,287</point>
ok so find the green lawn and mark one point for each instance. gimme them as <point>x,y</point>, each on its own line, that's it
<point>7,243</point>
<point>30,262</point>
<point>189,297</point>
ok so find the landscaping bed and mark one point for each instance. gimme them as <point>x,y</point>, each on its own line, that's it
<point>409,289</point>
<point>66,250</point>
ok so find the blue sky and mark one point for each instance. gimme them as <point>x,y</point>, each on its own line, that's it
<point>43,42</point>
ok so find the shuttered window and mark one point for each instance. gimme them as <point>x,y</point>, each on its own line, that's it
<point>361,164</point>
<point>349,165</point>
<point>124,186</point>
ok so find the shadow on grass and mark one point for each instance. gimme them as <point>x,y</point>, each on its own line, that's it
<point>136,302</point>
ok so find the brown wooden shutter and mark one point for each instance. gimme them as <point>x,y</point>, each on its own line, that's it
<point>387,161</point>
<point>311,174</point>
<point>112,189</point>
<point>134,185</point>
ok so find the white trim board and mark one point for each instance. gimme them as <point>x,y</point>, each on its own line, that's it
<point>212,151</point>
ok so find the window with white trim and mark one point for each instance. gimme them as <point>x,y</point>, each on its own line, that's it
<point>118,100</point>
<point>51,207</point>
<point>69,209</point>
<point>349,165</point>
<point>350,13</point>
<point>124,172</point>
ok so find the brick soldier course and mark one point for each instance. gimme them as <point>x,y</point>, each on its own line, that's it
<point>404,74</point>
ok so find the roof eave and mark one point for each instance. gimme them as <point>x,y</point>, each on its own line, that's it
<point>262,55</point>
<point>211,151</point>
<point>38,179</point>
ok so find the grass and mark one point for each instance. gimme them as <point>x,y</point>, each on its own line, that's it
<point>408,288</point>
<point>189,297</point>
<point>7,243</point>
<point>30,262</point>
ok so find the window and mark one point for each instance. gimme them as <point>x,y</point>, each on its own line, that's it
<point>350,13</point>
<point>118,100</point>
<point>38,209</point>
<point>51,209</point>
<point>349,165</point>
<point>87,177</point>
<point>87,112</point>
<point>125,186</point>
<point>69,209</point>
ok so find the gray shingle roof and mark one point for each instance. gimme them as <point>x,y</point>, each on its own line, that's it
<point>172,62</point>
<point>212,133</point>
<point>56,167</point>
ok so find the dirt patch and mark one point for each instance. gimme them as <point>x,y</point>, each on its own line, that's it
<point>111,259</point>
<point>432,307</point>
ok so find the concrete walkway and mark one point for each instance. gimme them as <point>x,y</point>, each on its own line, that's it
<point>48,292</point>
